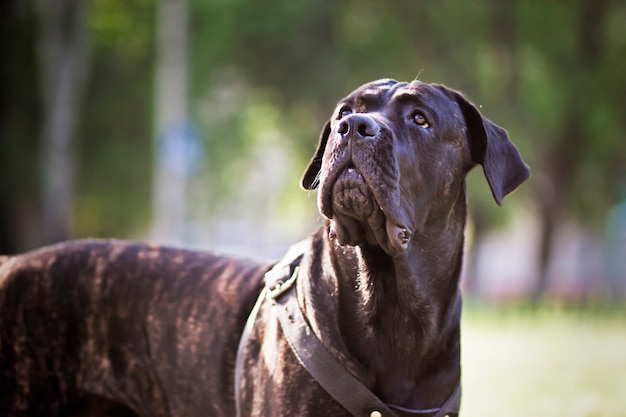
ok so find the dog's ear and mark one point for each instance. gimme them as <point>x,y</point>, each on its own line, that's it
<point>491,147</point>
<point>310,179</point>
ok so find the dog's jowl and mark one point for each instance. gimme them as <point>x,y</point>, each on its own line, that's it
<point>361,318</point>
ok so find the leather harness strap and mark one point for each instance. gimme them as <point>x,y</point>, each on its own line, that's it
<point>322,366</point>
<point>348,391</point>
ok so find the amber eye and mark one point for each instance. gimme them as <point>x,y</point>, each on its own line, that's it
<point>344,112</point>
<point>420,120</point>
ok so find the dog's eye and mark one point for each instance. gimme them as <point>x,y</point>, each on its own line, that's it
<point>420,120</point>
<point>344,112</point>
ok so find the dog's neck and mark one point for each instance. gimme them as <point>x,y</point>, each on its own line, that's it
<point>398,317</point>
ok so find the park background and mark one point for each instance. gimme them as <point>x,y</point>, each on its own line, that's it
<point>189,122</point>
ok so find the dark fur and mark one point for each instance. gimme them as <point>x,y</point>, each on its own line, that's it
<point>153,330</point>
<point>112,328</point>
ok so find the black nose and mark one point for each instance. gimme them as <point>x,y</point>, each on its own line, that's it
<point>358,125</point>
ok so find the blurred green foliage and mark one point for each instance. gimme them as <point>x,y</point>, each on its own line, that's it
<point>550,72</point>
<point>114,145</point>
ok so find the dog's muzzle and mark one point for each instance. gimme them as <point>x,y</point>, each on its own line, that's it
<point>359,186</point>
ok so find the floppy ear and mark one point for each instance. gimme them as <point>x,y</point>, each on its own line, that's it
<point>491,147</point>
<point>310,179</point>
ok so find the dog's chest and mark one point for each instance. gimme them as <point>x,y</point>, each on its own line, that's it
<point>274,382</point>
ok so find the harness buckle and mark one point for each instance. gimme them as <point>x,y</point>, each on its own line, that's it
<point>276,283</point>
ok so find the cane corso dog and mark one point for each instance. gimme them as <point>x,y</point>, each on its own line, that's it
<point>112,328</point>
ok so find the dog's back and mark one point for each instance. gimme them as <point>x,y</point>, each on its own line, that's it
<point>123,325</point>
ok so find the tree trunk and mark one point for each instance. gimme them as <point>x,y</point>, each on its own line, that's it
<point>547,216</point>
<point>570,146</point>
<point>471,277</point>
<point>64,53</point>
<point>173,136</point>
<point>19,128</point>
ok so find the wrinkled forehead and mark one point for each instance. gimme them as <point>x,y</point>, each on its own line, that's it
<point>376,90</point>
<point>385,90</point>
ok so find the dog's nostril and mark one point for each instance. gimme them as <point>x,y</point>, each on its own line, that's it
<point>343,128</point>
<point>367,129</point>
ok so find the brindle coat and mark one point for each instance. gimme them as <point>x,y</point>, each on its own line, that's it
<point>114,328</point>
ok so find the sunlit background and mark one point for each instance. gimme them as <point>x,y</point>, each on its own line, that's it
<point>189,122</point>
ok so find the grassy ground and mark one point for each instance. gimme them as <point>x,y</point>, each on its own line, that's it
<point>545,362</point>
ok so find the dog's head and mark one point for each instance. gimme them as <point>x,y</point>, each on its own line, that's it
<point>393,157</point>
